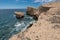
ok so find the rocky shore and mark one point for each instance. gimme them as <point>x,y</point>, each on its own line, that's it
<point>47,26</point>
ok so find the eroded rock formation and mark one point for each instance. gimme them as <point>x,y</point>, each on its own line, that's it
<point>47,27</point>
<point>19,15</point>
<point>32,12</point>
<point>36,12</point>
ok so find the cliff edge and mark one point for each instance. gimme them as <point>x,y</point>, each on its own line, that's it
<point>47,26</point>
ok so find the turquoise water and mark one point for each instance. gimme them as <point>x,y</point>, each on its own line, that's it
<point>9,25</point>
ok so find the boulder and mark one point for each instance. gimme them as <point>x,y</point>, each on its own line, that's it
<point>19,15</point>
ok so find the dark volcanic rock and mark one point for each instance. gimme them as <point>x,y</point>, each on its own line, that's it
<point>19,15</point>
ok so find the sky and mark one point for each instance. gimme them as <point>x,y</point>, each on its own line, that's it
<point>21,4</point>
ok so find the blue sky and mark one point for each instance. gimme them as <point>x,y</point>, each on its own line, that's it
<point>20,4</point>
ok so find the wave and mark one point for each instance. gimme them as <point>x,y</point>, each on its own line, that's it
<point>27,25</point>
<point>17,24</point>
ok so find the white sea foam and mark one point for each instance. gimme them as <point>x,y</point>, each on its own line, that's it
<point>31,17</point>
<point>21,26</point>
<point>32,22</point>
<point>18,26</point>
<point>27,26</point>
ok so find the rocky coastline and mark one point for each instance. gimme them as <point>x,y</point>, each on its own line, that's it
<point>47,26</point>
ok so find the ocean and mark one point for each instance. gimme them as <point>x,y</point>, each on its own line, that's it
<point>10,25</point>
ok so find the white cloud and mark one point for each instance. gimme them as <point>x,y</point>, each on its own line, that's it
<point>44,0</point>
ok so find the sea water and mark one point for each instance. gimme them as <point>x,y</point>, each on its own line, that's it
<point>10,25</point>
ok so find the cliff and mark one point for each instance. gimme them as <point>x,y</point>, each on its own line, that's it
<point>47,26</point>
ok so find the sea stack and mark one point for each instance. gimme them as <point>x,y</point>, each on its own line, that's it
<point>19,15</point>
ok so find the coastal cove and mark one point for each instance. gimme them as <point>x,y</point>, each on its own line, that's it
<point>47,27</point>
<point>29,19</point>
<point>10,25</point>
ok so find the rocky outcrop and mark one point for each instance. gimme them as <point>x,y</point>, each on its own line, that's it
<point>19,15</point>
<point>36,12</point>
<point>32,12</point>
<point>47,27</point>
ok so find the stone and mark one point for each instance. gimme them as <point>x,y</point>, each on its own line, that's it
<point>19,15</point>
<point>32,12</point>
